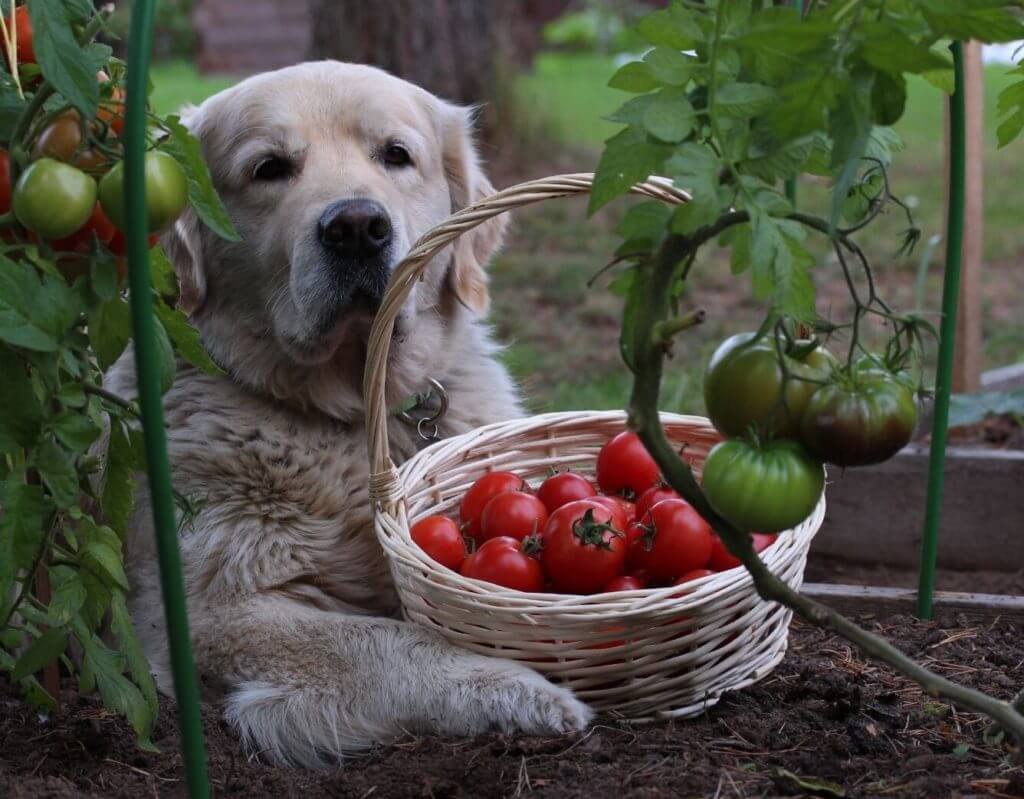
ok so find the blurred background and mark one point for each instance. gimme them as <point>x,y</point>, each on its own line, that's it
<point>539,70</point>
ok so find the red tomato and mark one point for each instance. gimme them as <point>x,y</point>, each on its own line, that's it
<point>5,182</point>
<point>696,574</point>
<point>26,50</point>
<point>677,540</point>
<point>633,532</point>
<point>722,559</point>
<point>563,488</point>
<point>119,246</point>
<point>504,562</point>
<point>81,239</point>
<point>652,496</point>
<point>483,491</point>
<point>583,551</point>
<point>627,582</point>
<point>623,517</point>
<point>440,538</point>
<point>515,514</point>
<point>624,465</point>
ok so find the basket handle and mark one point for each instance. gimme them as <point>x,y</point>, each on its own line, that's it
<point>384,485</point>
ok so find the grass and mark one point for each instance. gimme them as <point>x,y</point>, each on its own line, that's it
<point>176,83</point>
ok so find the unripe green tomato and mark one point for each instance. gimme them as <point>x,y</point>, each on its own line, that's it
<point>166,192</point>
<point>53,199</point>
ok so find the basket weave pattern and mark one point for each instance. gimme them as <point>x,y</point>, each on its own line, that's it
<point>648,654</point>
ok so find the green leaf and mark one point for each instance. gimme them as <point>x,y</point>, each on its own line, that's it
<point>780,267</point>
<point>35,310</point>
<point>849,126</point>
<point>636,76</point>
<point>695,168</point>
<point>669,117</point>
<point>644,221</point>
<point>68,594</point>
<point>674,27</point>
<point>57,469</point>
<point>888,98</point>
<point>20,412</point>
<point>803,104</point>
<point>26,512</point>
<point>103,275</point>
<point>964,19</point>
<point>860,197</point>
<point>108,560</point>
<point>110,330</point>
<point>72,395</point>
<point>80,10</point>
<point>201,194</point>
<point>11,108</point>
<point>1010,128</point>
<point>75,430</point>
<point>43,651</point>
<point>138,665</point>
<point>738,240</point>
<point>161,273</point>
<point>628,158</point>
<point>942,79</point>
<point>669,66</point>
<point>186,338</point>
<point>632,111</point>
<point>62,60</point>
<point>744,99</point>
<point>890,50</point>
<point>118,494</point>
<point>883,142</point>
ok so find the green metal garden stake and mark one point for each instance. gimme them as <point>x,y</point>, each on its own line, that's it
<point>147,366</point>
<point>947,335</point>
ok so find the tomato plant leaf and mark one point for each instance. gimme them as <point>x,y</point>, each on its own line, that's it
<point>201,194</point>
<point>135,658</point>
<point>118,495</point>
<point>103,275</point>
<point>960,19</point>
<point>20,412</point>
<point>68,594</point>
<point>161,273</point>
<point>668,66</point>
<point>35,310</point>
<point>57,469</point>
<point>108,560</point>
<point>75,430</point>
<point>628,158</point>
<point>110,329</point>
<point>26,508</point>
<point>669,117</point>
<point>636,77</point>
<point>43,651</point>
<point>644,221</point>
<point>186,338</point>
<point>63,62</point>
<point>744,99</point>
<point>673,27</point>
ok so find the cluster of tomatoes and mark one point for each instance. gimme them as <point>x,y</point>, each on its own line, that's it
<point>570,536</point>
<point>71,191</point>
<point>804,409</point>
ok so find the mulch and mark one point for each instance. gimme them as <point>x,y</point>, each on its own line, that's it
<point>825,723</point>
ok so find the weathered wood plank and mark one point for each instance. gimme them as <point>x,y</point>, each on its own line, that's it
<point>884,601</point>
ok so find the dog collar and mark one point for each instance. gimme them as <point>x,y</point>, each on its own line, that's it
<point>425,410</point>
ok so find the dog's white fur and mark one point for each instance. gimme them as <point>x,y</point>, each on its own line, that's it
<point>289,596</point>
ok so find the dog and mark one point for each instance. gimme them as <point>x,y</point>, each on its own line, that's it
<point>330,172</point>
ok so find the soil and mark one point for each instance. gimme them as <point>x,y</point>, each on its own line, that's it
<point>999,431</point>
<point>825,723</point>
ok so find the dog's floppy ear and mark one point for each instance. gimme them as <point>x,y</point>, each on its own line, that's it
<point>183,246</point>
<point>468,184</point>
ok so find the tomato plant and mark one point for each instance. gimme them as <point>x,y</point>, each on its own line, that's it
<point>441,539</point>
<point>471,509</point>
<point>769,487</point>
<point>515,514</point>
<point>624,466</point>
<point>504,561</point>
<point>166,191</point>
<point>53,199</point>
<point>675,540</point>
<point>582,550</point>
<point>563,488</point>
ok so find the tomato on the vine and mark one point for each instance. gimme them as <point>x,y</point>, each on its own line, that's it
<point>166,191</point>
<point>505,561</point>
<point>769,487</point>
<point>722,559</point>
<point>652,496</point>
<point>471,510</point>
<point>625,465</point>
<point>675,540</point>
<point>859,420</point>
<point>515,514</point>
<point>743,384</point>
<point>53,199</point>
<point>111,112</point>
<point>26,46</point>
<point>440,538</point>
<point>61,138</point>
<point>97,225</point>
<point>582,549</point>
<point>562,488</point>
<point>623,511</point>
<point>119,245</point>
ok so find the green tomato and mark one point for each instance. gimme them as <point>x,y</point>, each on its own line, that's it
<point>53,199</point>
<point>767,488</point>
<point>874,365</point>
<point>166,192</point>
<point>743,385</point>
<point>858,421</point>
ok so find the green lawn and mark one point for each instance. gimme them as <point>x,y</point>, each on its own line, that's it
<point>176,83</point>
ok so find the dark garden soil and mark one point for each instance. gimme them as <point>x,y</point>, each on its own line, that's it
<point>826,723</point>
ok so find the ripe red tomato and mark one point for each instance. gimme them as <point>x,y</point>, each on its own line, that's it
<point>722,559</point>
<point>622,515</point>
<point>676,540</point>
<point>696,574</point>
<point>471,510</point>
<point>582,550</point>
<point>440,538</point>
<point>504,561</point>
<point>624,465</point>
<point>26,49</point>
<point>652,496</point>
<point>515,514</point>
<point>119,246</point>
<point>111,112</point>
<point>562,488</point>
<point>81,240</point>
<point>626,582</point>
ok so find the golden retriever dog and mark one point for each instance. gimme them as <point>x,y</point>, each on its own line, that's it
<point>330,172</point>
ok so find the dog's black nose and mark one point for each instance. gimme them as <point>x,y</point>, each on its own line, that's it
<point>357,228</point>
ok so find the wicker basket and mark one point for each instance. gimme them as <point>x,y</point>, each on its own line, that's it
<point>649,654</point>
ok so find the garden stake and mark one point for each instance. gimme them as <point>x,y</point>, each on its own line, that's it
<point>947,335</point>
<point>147,360</point>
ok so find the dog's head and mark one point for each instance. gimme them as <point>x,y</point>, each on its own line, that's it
<point>329,172</point>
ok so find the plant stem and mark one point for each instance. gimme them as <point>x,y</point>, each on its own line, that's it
<point>109,396</point>
<point>643,417</point>
<point>29,580</point>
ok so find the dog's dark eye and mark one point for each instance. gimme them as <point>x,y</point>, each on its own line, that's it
<point>397,155</point>
<point>272,168</point>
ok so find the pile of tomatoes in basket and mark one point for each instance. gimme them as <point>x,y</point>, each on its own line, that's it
<point>69,189</point>
<point>569,536</point>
